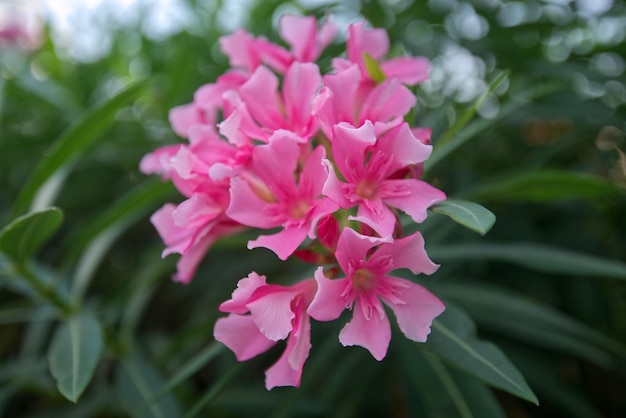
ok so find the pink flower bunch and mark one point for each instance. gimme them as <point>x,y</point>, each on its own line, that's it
<point>323,166</point>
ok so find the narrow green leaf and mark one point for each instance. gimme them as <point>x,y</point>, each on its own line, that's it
<point>373,68</point>
<point>136,383</point>
<point>216,388</point>
<point>545,186</point>
<point>469,214</point>
<point>74,353</point>
<point>460,134</point>
<point>186,371</point>
<point>26,234</point>
<point>529,321</point>
<point>74,140</point>
<point>454,340</point>
<point>469,113</point>
<point>534,256</point>
<point>120,215</point>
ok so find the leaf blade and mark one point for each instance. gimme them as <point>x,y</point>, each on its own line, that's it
<point>74,353</point>
<point>454,340</point>
<point>26,234</point>
<point>469,214</point>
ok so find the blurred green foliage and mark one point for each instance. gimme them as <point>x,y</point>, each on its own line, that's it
<point>545,153</point>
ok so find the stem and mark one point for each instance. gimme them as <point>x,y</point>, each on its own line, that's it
<point>44,291</point>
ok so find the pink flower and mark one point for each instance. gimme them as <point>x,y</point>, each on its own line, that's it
<point>349,97</point>
<point>368,166</point>
<point>289,109</point>
<point>368,284</point>
<point>275,313</point>
<point>190,229</point>
<point>268,197</point>
<point>375,42</point>
<point>303,36</point>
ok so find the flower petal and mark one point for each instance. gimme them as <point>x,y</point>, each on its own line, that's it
<point>409,253</point>
<point>373,334</point>
<point>270,308</point>
<point>422,196</point>
<point>416,315</point>
<point>241,295</point>
<point>328,302</point>
<point>240,334</point>
<point>283,243</point>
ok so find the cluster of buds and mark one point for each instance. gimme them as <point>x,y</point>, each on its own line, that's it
<point>328,164</point>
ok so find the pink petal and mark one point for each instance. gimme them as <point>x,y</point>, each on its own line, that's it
<point>184,117</point>
<point>333,188</point>
<point>409,70</point>
<point>353,247</point>
<point>276,163</point>
<point>313,175</point>
<point>270,308</point>
<point>301,84</point>
<point>246,207</point>
<point>389,99</point>
<point>241,295</point>
<point>261,97</point>
<point>422,196</point>
<point>373,41</point>
<point>239,48</point>
<point>379,217</point>
<point>416,315</point>
<point>299,33</point>
<point>328,303</point>
<point>372,334</point>
<point>196,211</point>
<point>403,147</point>
<point>409,253</point>
<point>349,145</point>
<point>287,371</point>
<point>240,334</point>
<point>283,243</point>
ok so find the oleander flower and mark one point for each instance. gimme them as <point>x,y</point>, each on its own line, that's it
<point>262,314</point>
<point>368,284</point>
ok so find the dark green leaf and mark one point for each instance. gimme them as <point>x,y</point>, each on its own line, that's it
<point>454,340</point>
<point>534,256</point>
<point>74,140</point>
<point>74,354</point>
<point>529,321</point>
<point>137,382</point>
<point>545,186</point>
<point>469,214</point>
<point>26,234</point>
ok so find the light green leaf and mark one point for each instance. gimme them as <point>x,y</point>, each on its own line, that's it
<point>469,214</point>
<point>74,140</point>
<point>529,321</point>
<point>545,186</point>
<point>26,234</point>
<point>74,353</point>
<point>373,68</point>
<point>454,340</point>
<point>534,256</point>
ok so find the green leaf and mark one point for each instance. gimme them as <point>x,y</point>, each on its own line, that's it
<point>136,383</point>
<point>469,214</point>
<point>373,68</point>
<point>442,392</point>
<point>529,321</point>
<point>74,140</point>
<point>454,340</point>
<point>187,370</point>
<point>469,113</point>
<point>26,234</point>
<point>460,134</point>
<point>74,353</point>
<point>545,186</point>
<point>534,256</point>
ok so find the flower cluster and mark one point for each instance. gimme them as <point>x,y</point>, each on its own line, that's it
<point>328,164</point>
